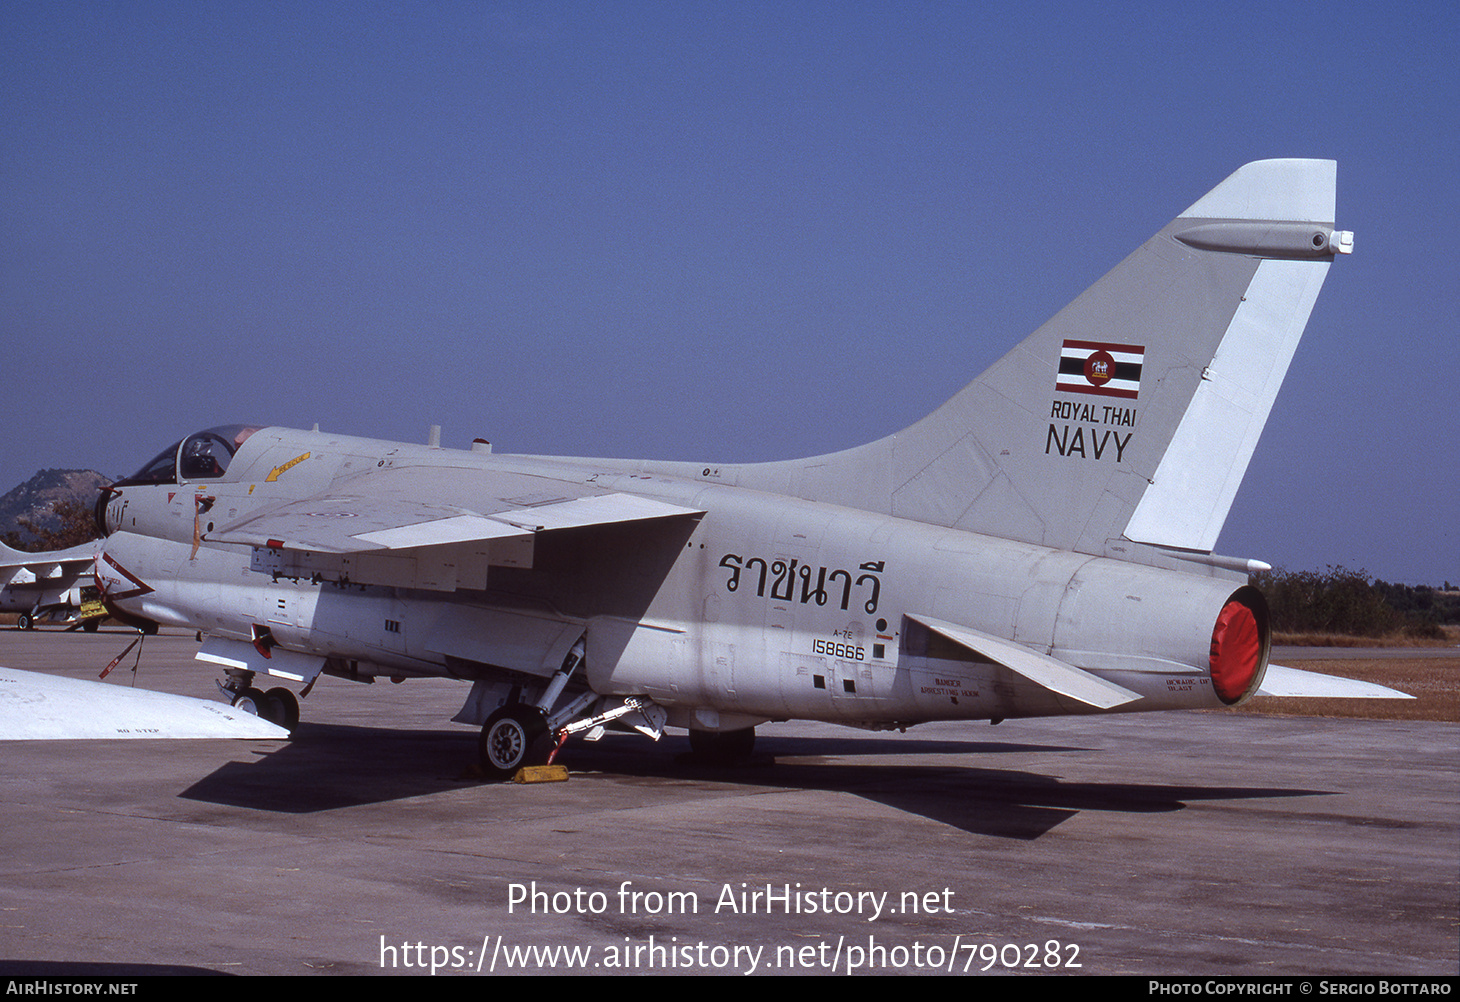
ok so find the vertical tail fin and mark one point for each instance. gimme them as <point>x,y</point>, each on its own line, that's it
<point>1133,413</point>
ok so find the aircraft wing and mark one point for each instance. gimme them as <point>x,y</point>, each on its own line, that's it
<point>32,583</point>
<point>35,706</point>
<point>1280,681</point>
<point>375,529</point>
<point>47,564</point>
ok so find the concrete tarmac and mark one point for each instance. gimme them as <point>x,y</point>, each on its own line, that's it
<point>1177,844</point>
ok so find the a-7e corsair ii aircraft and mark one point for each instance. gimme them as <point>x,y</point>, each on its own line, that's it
<point>46,585</point>
<point>1040,544</point>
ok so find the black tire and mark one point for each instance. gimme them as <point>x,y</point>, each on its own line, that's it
<point>91,625</point>
<point>286,705</point>
<point>25,621</point>
<point>513,737</point>
<point>722,747</point>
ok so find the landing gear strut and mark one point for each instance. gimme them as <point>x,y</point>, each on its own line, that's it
<point>518,734</point>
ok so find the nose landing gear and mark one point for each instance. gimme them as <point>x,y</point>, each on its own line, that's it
<point>277,706</point>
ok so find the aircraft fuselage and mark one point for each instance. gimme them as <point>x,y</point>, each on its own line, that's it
<point>767,607</point>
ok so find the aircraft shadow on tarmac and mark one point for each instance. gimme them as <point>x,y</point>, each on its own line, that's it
<point>329,766</point>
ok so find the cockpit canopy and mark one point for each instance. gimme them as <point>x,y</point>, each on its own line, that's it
<point>204,455</point>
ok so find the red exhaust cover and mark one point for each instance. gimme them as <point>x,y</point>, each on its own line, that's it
<point>1236,651</point>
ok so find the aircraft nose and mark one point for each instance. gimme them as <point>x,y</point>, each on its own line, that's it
<point>105,526</point>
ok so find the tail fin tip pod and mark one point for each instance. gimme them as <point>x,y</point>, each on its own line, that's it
<point>1132,414</point>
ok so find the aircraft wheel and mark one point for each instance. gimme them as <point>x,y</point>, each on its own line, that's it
<point>253,701</point>
<point>91,625</point>
<point>512,737</point>
<point>723,747</point>
<point>25,621</point>
<point>287,706</point>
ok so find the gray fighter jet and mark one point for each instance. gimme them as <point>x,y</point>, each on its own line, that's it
<point>1041,544</point>
<point>46,586</point>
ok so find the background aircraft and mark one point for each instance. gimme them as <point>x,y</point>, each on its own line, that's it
<point>1041,544</point>
<point>39,585</point>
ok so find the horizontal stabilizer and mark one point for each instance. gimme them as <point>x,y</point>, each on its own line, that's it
<point>1280,681</point>
<point>36,707</point>
<point>1052,673</point>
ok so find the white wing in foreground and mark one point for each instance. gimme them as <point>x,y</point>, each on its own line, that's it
<point>36,707</point>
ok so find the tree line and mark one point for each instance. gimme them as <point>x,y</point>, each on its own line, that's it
<point>1348,602</point>
<point>75,525</point>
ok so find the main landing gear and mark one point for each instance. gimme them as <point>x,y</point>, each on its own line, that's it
<point>514,736</point>
<point>519,734</point>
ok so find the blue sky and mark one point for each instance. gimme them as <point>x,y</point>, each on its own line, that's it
<point>718,231</point>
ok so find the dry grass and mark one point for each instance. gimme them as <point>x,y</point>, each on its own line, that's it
<point>1451,639</point>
